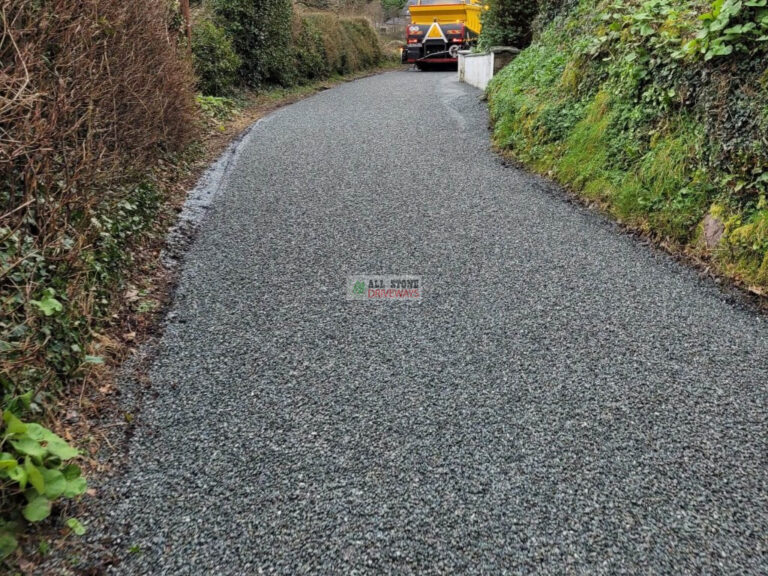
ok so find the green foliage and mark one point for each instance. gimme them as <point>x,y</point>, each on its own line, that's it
<point>261,35</point>
<point>670,28</point>
<point>76,526</point>
<point>657,109</point>
<point>277,46</point>
<point>310,55</point>
<point>48,305</point>
<point>216,62</point>
<point>216,107</point>
<point>730,25</point>
<point>746,242</point>
<point>34,470</point>
<point>392,8</point>
<point>667,186</point>
<point>549,9</point>
<point>326,45</point>
<point>118,224</point>
<point>361,45</point>
<point>508,23</point>
<point>44,331</point>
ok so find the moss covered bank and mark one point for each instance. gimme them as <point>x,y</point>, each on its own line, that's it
<point>657,110</point>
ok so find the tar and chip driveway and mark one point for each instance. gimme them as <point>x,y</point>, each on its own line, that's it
<point>560,399</point>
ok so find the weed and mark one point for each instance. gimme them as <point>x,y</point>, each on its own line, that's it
<point>34,468</point>
<point>217,107</point>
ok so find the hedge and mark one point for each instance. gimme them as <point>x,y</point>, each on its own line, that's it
<point>325,44</point>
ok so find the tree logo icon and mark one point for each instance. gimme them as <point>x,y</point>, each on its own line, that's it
<point>359,288</point>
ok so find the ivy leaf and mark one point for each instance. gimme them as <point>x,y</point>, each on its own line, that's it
<point>76,526</point>
<point>71,471</point>
<point>7,461</point>
<point>25,400</point>
<point>39,433</point>
<point>48,305</point>
<point>93,359</point>
<point>38,509</point>
<point>646,30</point>
<point>18,475</point>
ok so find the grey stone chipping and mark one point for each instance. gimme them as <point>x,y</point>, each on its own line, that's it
<point>564,399</point>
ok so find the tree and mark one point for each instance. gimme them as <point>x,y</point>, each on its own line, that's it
<point>187,20</point>
<point>392,7</point>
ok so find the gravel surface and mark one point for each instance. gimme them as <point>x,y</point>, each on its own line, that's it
<point>564,399</point>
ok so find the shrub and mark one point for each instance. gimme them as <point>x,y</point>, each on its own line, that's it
<point>97,91</point>
<point>261,33</point>
<point>362,49</point>
<point>216,62</point>
<point>310,54</point>
<point>326,44</point>
<point>278,46</point>
<point>508,23</point>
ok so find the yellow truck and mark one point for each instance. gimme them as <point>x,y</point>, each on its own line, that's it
<point>439,29</point>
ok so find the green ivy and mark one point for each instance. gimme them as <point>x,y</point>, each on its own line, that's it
<point>44,335</point>
<point>731,25</point>
<point>670,28</point>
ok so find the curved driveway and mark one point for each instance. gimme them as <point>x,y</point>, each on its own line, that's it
<point>563,399</point>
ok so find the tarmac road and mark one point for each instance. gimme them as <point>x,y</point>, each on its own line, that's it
<point>562,399</point>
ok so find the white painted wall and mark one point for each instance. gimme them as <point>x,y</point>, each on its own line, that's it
<point>476,69</point>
